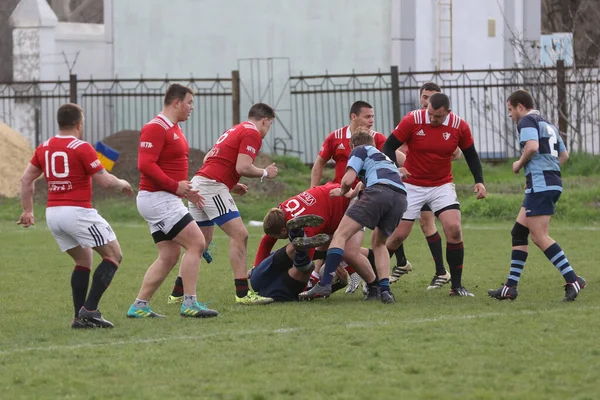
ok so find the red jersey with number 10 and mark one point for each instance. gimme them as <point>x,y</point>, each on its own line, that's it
<point>431,148</point>
<point>68,164</point>
<point>220,165</point>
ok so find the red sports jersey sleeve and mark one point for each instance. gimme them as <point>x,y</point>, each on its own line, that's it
<point>466,137</point>
<point>34,159</point>
<point>264,249</point>
<point>250,143</point>
<point>326,151</point>
<point>89,158</point>
<point>152,141</point>
<point>404,129</point>
<point>379,140</point>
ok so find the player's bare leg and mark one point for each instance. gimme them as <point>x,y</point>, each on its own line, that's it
<point>238,247</point>
<point>168,256</point>
<point>394,242</point>
<point>176,296</point>
<point>347,228</point>
<point>353,255</point>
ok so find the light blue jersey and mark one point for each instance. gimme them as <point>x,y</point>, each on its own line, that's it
<point>542,172</point>
<point>375,166</point>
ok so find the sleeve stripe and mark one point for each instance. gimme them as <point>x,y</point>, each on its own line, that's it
<point>75,144</point>
<point>159,122</point>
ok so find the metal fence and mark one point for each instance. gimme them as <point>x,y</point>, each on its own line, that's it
<point>316,105</point>
<point>568,97</point>
<point>112,106</point>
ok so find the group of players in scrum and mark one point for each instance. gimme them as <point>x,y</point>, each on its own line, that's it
<point>380,183</point>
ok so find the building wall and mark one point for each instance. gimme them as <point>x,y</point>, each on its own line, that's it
<point>87,53</point>
<point>316,36</point>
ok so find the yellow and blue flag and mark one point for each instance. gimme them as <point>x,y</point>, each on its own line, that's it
<point>107,155</point>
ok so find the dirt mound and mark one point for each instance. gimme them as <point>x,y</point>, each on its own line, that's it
<point>15,154</point>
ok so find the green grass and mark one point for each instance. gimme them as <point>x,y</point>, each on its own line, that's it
<point>427,346</point>
<point>579,203</point>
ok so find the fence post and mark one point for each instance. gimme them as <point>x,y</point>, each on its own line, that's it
<point>562,99</point>
<point>395,95</point>
<point>235,96</point>
<point>73,88</point>
<point>38,133</point>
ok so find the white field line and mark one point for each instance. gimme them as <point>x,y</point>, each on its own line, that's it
<point>283,331</point>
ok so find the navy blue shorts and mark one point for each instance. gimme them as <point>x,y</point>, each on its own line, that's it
<point>271,279</point>
<point>380,206</point>
<point>541,203</point>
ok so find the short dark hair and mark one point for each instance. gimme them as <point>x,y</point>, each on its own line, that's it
<point>361,138</point>
<point>430,86</point>
<point>175,91</point>
<point>274,221</point>
<point>69,115</point>
<point>522,97</point>
<point>357,107</point>
<point>439,100</point>
<point>260,111</point>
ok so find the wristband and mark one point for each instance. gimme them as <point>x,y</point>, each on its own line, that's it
<point>264,175</point>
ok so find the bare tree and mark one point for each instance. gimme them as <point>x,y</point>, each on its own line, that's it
<point>88,11</point>
<point>579,17</point>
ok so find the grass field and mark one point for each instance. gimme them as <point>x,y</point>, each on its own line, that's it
<point>427,346</point>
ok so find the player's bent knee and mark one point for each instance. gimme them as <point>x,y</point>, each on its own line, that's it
<point>519,234</point>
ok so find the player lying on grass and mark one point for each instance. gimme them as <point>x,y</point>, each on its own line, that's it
<point>316,201</point>
<point>379,207</point>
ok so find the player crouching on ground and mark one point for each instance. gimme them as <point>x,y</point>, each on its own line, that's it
<point>284,273</point>
<point>379,207</point>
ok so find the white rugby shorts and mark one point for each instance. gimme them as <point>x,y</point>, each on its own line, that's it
<point>217,200</point>
<point>74,226</point>
<point>162,210</point>
<point>437,197</point>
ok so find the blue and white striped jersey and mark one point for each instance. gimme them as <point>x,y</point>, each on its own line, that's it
<point>542,172</point>
<point>376,167</point>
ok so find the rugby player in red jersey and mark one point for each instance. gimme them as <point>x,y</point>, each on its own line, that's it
<point>230,158</point>
<point>432,136</point>
<point>69,164</point>
<point>163,164</point>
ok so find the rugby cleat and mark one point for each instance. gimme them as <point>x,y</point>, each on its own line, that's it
<point>197,310</point>
<point>461,292</point>
<point>78,323</point>
<point>303,243</point>
<point>174,299</point>
<point>400,270</point>
<point>94,317</point>
<point>438,281</point>
<point>504,293</point>
<point>253,298</point>
<point>572,289</point>
<point>316,292</point>
<point>144,312</point>
<point>304,221</point>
